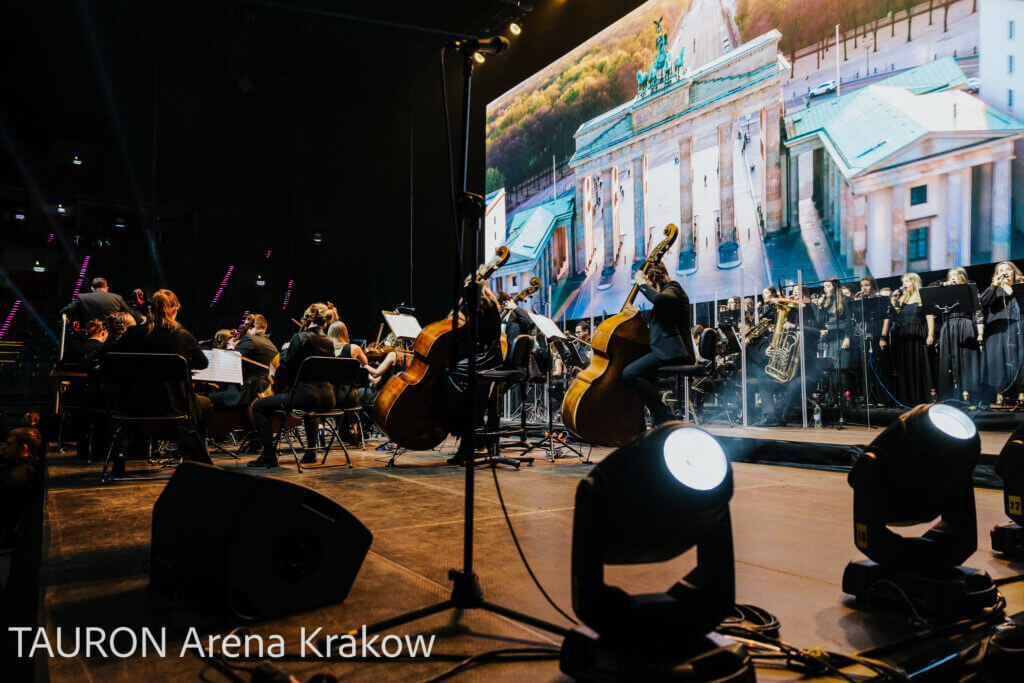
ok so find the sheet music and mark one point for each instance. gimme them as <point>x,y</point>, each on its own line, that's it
<point>225,367</point>
<point>404,326</point>
<point>547,326</point>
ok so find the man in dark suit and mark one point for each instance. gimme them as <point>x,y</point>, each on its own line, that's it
<point>254,346</point>
<point>94,305</point>
<point>669,321</point>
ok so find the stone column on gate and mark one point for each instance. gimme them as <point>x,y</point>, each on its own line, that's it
<point>685,239</point>
<point>1001,178</point>
<point>639,208</point>
<point>608,227</point>
<point>771,194</point>
<point>860,233</point>
<point>899,229</point>
<point>793,189</point>
<point>576,241</point>
<point>727,229</point>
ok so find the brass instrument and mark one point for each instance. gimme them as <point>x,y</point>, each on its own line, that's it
<point>762,328</point>
<point>784,350</point>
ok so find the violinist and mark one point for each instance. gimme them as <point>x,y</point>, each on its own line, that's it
<point>88,350</point>
<point>310,340</point>
<point>162,333</point>
<point>257,352</point>
<point>117,324</point>
<point>669,321</point>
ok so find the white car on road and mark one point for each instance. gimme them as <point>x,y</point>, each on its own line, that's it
<point>823,88</point>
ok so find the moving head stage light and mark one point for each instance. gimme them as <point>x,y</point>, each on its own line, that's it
<point>918,469</point>
<point>1009,538</point>
<point>659,495</point>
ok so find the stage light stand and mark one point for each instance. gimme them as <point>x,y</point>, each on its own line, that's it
<point>467,592</point>
<point>914,472</point>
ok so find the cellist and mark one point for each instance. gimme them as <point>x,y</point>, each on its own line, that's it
<point>669,322</point>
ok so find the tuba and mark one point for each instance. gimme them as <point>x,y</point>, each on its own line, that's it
<point>784,350</point>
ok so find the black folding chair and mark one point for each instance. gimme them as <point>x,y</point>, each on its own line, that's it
<point>342,374</point>
<point>142,387</point>
<point>683,373</point>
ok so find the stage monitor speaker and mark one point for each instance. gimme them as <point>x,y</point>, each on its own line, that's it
<point>252,547</point>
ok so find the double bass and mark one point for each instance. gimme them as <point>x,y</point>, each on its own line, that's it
<point>599,406</point>
<point>406,409</point>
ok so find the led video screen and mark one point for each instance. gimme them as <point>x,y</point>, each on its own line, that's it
<point>777,151</point>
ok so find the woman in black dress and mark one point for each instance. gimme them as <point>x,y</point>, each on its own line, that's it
<point>959,353</point>
<point>912,333</point>
<point>1003,352</point>
<point>836,321</point>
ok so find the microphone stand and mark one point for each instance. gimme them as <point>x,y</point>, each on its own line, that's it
<point>466,590</point>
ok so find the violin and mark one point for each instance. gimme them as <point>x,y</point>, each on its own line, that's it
<point>406,409</point>
<point>599,406</point>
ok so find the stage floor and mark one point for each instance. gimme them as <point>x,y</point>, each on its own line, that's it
<point>792,534</point>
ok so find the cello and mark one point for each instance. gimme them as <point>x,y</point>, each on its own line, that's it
<point>406,409</point>
<point>599,406</point>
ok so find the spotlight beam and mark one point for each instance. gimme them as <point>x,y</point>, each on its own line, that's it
<point>33,188</point>
<point>28,306</point>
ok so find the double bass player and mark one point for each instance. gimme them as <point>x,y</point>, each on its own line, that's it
<point>669,322</point>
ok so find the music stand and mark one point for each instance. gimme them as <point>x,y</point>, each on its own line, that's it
<point>947,299</point>
<point>732,340</point>
<point>550,331</point>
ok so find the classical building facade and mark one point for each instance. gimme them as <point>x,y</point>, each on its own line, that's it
<point>911,174</point>
<point>675,108</point>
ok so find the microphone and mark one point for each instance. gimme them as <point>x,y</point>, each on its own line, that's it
<point>488,46</point>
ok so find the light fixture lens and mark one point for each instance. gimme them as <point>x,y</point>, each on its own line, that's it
<point>695,458</point>
<point>478,58</point>
<point>952,422</point>
<point>515,28</point>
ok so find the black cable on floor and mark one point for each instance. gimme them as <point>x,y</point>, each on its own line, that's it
<point>516,654</point>
<point>1008,579</point>
<point>519,549</point>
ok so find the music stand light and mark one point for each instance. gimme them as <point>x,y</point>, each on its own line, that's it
<point>657,496</point>
<point>918,469</point>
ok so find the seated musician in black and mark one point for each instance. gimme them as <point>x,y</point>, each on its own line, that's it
<point>669,321</point>
<point>516,320</point>
<point>254,346</point>
<point>162,333</point>
<point>315,396</point>
<point>88,350</point>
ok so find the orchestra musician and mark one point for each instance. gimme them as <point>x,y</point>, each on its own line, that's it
<point>767,307</point>
<point>913,332</point>
<point>669,321</point>
<point>836,329</point>
<point>258,353</point>
<point>313,396</point>
<point>118,324</point>
<point>778,399</point>
<point>516,320</point>
<point>1003,350</point>
<point>94,305</point>
<point>959,350</point>
<point>869,310</point>
<point>91,347</point>
<point>162,333</point>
